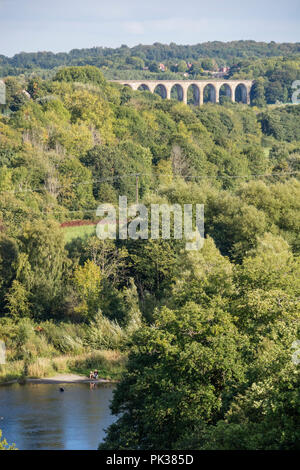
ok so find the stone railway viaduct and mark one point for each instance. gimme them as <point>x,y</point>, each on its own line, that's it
<point>236,90</point>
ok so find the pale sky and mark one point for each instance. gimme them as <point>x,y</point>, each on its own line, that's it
<point>62,25</point>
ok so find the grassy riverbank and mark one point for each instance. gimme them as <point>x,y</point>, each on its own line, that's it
<point>110,365</point>
<point>45,349</point>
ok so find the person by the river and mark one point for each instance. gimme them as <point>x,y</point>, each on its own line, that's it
<point>94,375</point>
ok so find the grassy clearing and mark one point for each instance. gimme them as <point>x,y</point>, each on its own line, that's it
<point>110,364</point>
<point>11,371</point>
<point>82,231</point>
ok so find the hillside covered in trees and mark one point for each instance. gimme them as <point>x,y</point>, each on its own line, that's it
<point>276,65</point>
<point>209,335</point>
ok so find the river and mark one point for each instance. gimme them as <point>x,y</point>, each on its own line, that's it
<point>39,416</point>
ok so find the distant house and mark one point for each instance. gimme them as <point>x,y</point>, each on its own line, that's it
<point>162,67</point>
<point>224,69</point>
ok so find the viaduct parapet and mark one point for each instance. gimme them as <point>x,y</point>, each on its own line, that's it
<point>203,90</point>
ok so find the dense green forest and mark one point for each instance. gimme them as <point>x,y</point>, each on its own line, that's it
<point>275,65</point>
<point>225,53</point>
<point>208,334</point>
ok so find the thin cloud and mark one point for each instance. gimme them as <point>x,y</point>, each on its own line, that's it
<point>61,25</point>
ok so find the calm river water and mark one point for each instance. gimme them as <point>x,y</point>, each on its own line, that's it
<point>41,417</point>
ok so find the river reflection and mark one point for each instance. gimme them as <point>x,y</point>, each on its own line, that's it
<point>41,417</point>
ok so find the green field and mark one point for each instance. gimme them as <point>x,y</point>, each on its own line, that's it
<point>81,231</point>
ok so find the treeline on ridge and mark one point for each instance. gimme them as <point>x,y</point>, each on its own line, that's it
<point>209,334</point>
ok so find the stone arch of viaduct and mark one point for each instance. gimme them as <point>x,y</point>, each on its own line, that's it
<point>229,88</point>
